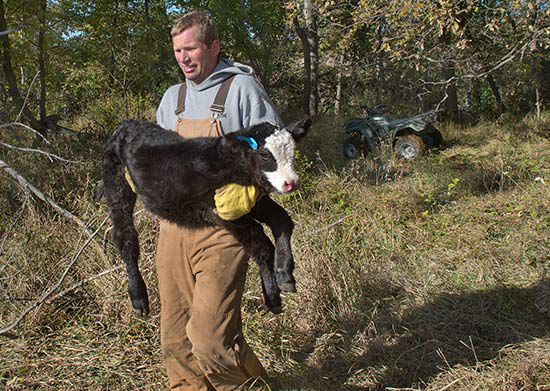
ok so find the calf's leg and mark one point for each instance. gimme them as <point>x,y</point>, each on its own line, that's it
<point>269,212</point>
<point>121,200</point>
<point>258,246</point>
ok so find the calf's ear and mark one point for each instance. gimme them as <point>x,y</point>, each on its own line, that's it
<point>299,128</point>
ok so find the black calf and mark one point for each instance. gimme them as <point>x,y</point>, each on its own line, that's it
<point>176,179</point>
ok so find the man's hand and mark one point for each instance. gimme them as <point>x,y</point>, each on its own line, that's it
<point>234,201</point>
<point>129,179</point>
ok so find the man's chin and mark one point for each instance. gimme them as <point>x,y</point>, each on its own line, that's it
<point>193,75</point>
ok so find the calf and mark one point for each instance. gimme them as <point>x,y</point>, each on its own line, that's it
<point>176,179</point>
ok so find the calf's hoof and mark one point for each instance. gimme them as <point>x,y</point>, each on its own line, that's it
<point>142,312</point>
<point>276,310</point>
<point>141,307</point>
<point>285,281</point>
<point>287,287</point>
<point>274,303</point>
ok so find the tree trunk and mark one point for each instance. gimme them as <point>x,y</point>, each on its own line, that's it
<point>112,54</point>
<point>13,90</point>
<point>496,93</point>
<point>541,70</point>
<point>381,91</point>
<point>147,17</point>
<point>451,103</point>
<point>310,18</point>
<point>307,65</point>
<point>338,98</point>
<point>42,59</point>
<point>449,75</point>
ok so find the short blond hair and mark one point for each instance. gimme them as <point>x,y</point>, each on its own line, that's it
<point>207,30</point>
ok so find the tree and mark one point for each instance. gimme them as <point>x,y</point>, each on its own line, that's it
<point>13,90</point>
<point>307,31</point>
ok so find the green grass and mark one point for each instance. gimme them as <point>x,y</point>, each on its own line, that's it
<point>432,275</point>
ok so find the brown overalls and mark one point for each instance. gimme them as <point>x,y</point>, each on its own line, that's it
<point>201,274</point>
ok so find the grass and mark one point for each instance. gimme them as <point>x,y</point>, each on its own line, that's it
<point>432,275</point>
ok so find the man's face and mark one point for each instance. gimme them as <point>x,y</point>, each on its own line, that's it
<point>196,60</point>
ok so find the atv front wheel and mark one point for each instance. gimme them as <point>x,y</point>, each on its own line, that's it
<point>352,147</point>
<point>432,137</point>
<point>409,147</point>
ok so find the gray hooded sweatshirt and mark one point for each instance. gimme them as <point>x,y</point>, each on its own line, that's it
<point>247,103</point>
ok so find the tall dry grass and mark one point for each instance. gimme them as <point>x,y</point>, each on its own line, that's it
<point>430,275</point>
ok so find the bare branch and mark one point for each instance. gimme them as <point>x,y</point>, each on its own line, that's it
<point>44,297</point>
<point>13,30</point>
<point>50,156</point>
<point>518,49</point>
<point>13,124</point>
<point>27,96</point>
<point>329,226</point>
<point>84,281</point>
<point>6,32</point>
<point>27,186</point>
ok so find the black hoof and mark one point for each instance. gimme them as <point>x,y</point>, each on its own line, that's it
<point>141,312</point>
<point>285,281</point>
<point>274,303</point>
<point>275,310</point>
<point>287,287</point>
<point>141,307</point>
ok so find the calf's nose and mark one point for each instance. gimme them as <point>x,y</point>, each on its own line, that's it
<point>289,186</point>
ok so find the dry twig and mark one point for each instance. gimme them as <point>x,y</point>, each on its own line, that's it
<point>15,124</point>
<point>50,156</point>
<point>45,296</point>
<point>65,213</point>
<point>28,186</point>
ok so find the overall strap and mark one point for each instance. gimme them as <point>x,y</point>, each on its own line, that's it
<point>218,107</point>
<point>181,99</point>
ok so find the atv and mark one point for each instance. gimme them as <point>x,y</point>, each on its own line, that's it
<point>409,137</point>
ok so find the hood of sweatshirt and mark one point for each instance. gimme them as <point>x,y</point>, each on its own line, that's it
<point>223,70</point>
<point>247,103</point>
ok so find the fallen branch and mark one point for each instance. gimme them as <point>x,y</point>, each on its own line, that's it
<point>47,294</point>
<point>329,226</point>
<point>83,282</point>
<point>27,186</point>
<point>13,124</point>
<point>65,213</point>
<point>50,156</point>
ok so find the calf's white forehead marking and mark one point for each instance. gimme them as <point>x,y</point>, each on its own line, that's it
<point>281,145</point>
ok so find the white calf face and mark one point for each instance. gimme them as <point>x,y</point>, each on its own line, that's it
<point>281,145</point>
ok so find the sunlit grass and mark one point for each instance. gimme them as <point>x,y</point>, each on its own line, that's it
<point>430,275</point>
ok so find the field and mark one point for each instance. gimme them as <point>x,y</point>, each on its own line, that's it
<point>431,275</point>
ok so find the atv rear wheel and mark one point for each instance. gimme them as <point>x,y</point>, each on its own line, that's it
<point>409,147</point>
<point>352,147</point>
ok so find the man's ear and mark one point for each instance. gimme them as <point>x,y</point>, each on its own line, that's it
<point>216,46</point>
<point>299,128</point>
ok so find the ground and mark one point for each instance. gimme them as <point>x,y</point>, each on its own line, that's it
<point>427,275</point>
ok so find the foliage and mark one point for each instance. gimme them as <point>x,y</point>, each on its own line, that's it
<point>396,52</point>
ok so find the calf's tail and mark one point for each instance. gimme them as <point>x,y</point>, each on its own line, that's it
<point>121,201</point>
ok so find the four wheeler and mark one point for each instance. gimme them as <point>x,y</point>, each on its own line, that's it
<point>409,137</point>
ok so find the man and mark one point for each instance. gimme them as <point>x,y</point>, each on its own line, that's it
<point>202,272</point>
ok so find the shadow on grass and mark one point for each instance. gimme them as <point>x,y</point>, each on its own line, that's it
<point>452,329</point>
